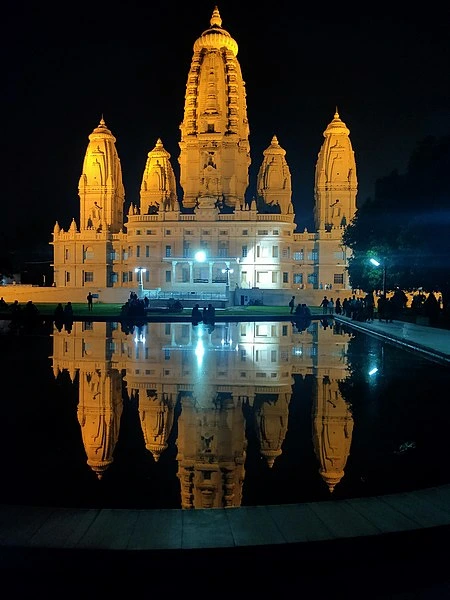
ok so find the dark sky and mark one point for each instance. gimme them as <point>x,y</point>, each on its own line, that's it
<point>387,72</point>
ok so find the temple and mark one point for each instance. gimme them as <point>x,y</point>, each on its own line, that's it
<point>203,233</point>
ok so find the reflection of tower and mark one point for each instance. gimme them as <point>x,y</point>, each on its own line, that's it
<point>271,416</point>
<point>99,412</point>
<point>211,456</point>
<point>332,418</point>
<point>156,416</point>
<point>87,349</point>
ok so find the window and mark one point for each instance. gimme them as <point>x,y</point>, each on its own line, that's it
<point>263,232</point>
<point>167,328</point>
<point>124,277</point>
<point>138,232</point>
<point>147,276</point>
<point>168,251</point>
<point>151,232</point>
<point>245,232</point>
<point>223,232</point>
<point>284,330</point>
<point>223,249</point>
<point>276,232</point>
<point>299,255</point>
<point>168,232</point>
<point>147,251</point>
<point>168,276</point>
<point>67,277</point>
<point>88,253</point>
<point>88,276</point>
<point>166,354</point>
<point>314,255</point>
<point>138,251</point>
<point>338,278</point>
<point>66,254</point>
<point>274,251</point>
<point>285,277</point>
<point>274,277</point>
<point>244,251</point>
<point>298,278</point>
<point>286,252</point>
<point>185,275</point>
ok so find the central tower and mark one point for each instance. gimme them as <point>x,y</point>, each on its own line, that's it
<point>215,151</point>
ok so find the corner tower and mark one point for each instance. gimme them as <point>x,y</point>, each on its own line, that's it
<point>214,148</point>
<point>336,185</point>
<point>100,186</point>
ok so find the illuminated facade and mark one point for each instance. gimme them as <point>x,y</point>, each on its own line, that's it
<point>226,380</point>
<point>248,242</point>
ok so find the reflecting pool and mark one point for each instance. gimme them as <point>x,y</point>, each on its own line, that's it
<point>176,415</point>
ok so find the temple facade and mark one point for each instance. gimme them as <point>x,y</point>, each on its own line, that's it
<point>210,238</point>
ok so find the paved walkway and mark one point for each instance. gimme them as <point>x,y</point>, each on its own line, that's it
<point>395,545</point>
<point>430,340</point>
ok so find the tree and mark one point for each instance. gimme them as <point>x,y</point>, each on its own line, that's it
<point>407,225</point>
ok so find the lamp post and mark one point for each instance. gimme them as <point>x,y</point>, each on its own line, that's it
<point>227,270</point>
<point>377,263</point>
<point>140,270</point>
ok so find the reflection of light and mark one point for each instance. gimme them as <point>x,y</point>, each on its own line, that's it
<point>375,262</point>
<point>139,337</point>
<point>373,371</point>
<point>199,352</point>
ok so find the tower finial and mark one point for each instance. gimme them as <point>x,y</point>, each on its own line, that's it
<point>216,21</point>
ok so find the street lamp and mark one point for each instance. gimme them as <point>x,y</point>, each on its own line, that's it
<point>377,263</point>
<point>227,270</point>
<point>140,270</point>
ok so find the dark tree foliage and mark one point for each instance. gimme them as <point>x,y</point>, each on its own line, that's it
<point>406,225</point>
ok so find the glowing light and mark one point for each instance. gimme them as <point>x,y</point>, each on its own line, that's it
<point>199,352</point>
<point>373,371</point>
<point>200,256</point>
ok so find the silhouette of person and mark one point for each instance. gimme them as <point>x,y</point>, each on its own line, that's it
<point>196,315</point>
<point>58,316</point>
<point>68,317</point>
<point>292,304</point>
<point>89,298</point>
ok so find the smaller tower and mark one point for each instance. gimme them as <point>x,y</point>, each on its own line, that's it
<point>100,186</point>
<point>336,185</point>
<point>158,188</point>
<point>274,179</point>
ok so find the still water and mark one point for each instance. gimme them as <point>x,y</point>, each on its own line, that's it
<point>172,415</point>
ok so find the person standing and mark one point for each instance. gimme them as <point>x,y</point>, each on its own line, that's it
<point>292,304</point>
<point>89,300</point>
<point>324,305</point>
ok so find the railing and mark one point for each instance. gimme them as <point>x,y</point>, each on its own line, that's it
<point>160,295</point>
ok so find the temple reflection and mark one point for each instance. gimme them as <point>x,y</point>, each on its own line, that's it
<point>211,374</point>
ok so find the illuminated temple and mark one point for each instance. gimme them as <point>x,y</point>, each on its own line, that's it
<point>211,237</point>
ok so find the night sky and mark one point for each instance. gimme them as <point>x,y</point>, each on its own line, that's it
<point>64,68</point>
